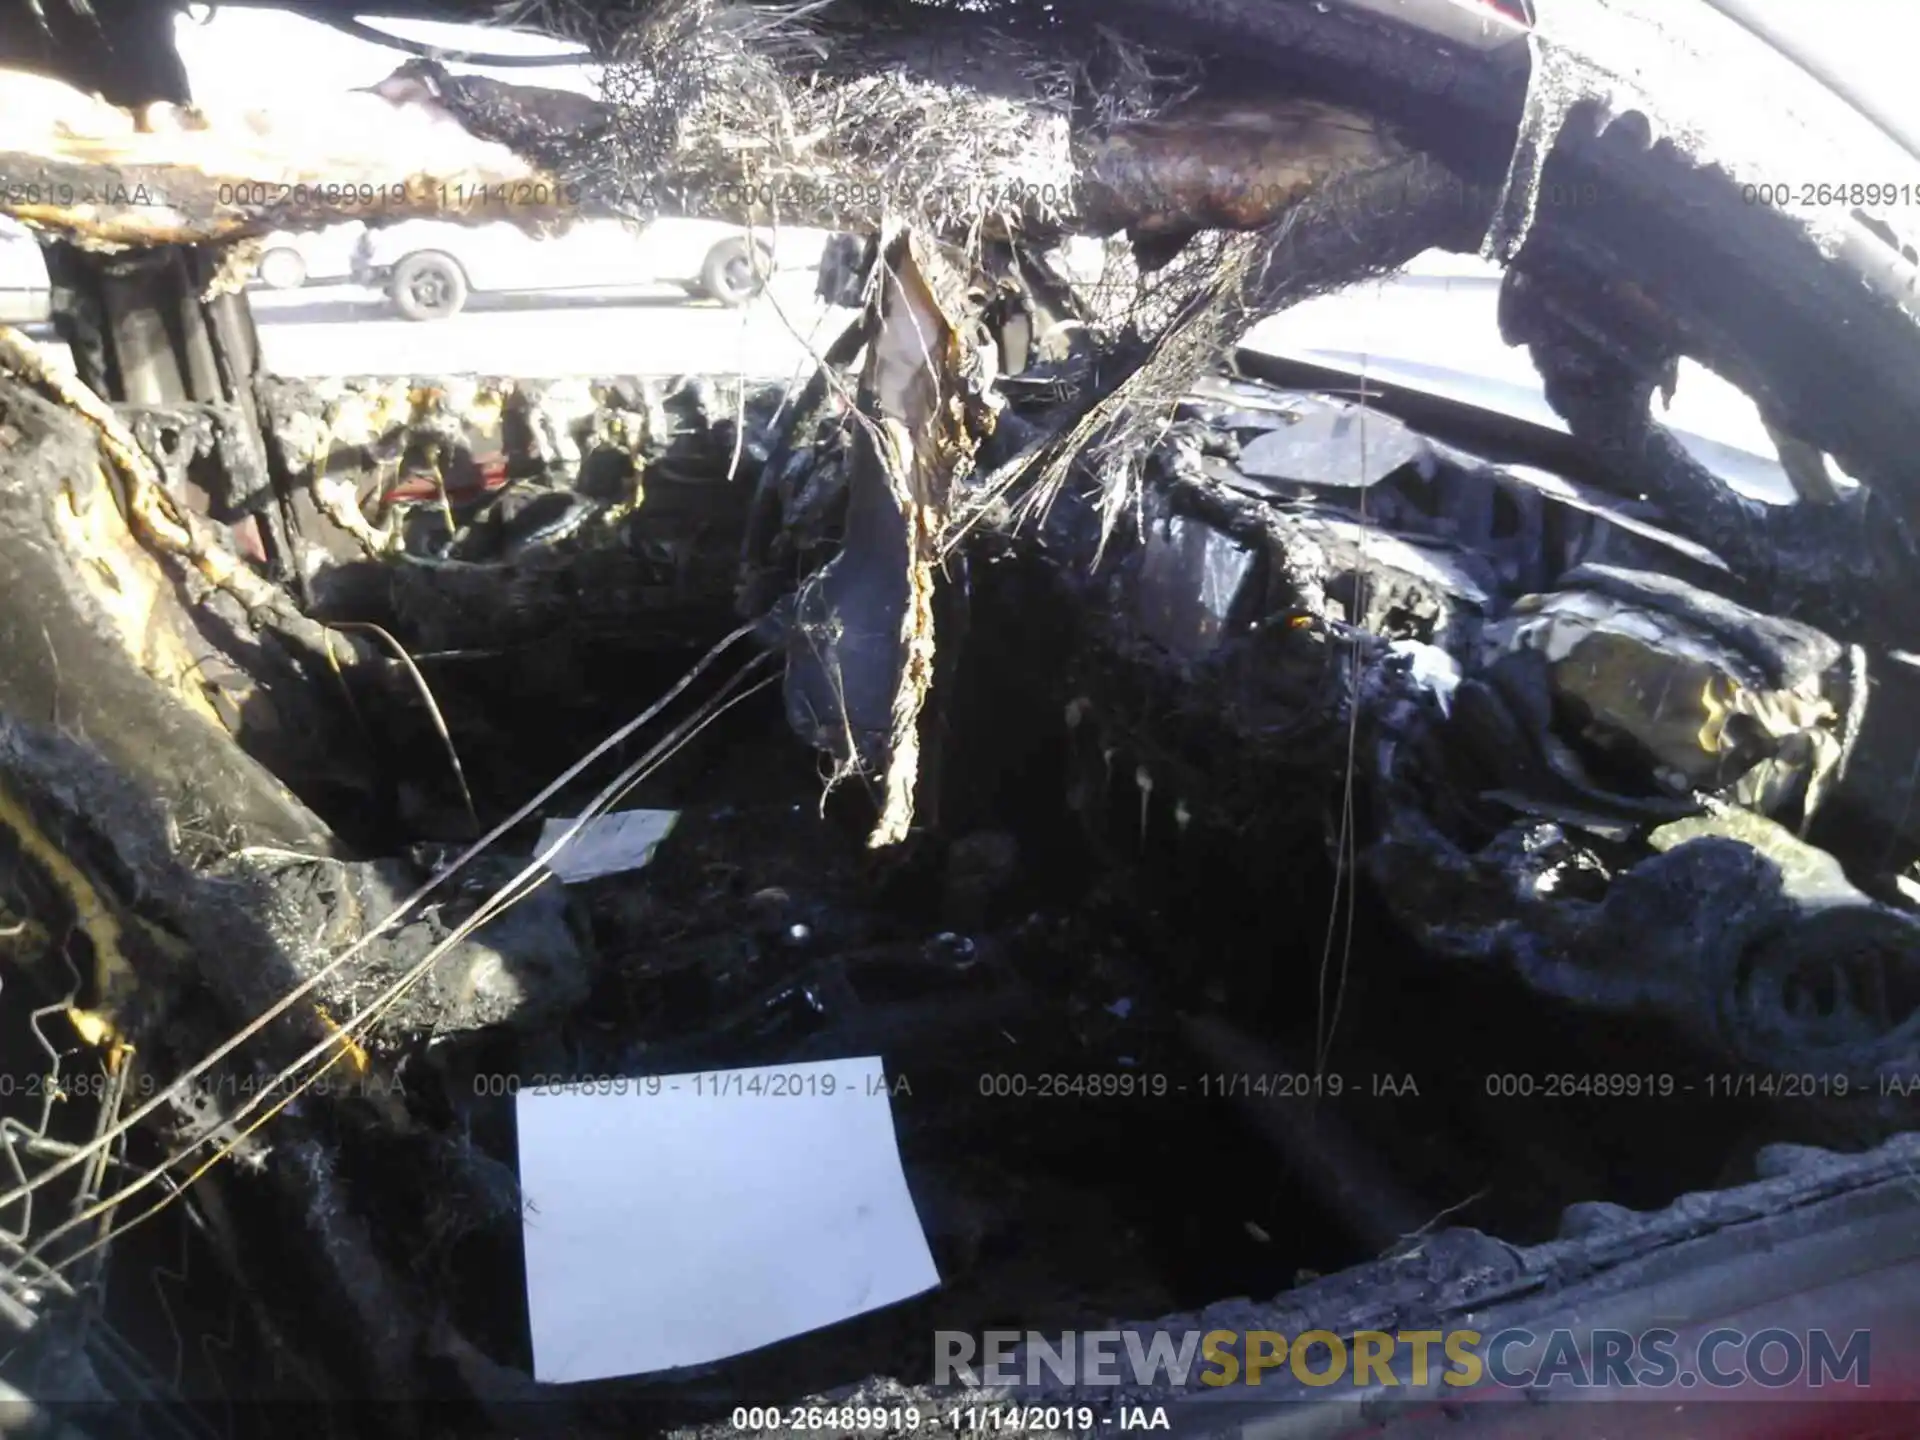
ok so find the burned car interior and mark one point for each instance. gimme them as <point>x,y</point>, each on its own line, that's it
<point>1307,854</point>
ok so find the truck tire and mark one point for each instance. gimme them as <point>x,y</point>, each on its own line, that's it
<point>281,268</point>
<point>428,285</point>
<point>733,274</point>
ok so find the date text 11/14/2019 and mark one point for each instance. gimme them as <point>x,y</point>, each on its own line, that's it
<point>1214,1085</point>
<point>352,196</point>
<point>770,1084</point>
<point>956,1419</point>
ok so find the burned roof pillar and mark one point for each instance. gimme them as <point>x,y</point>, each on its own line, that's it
<point>121,49</point>
<point>138,325</point>
<point>148,334</point>
<point>111,311</point>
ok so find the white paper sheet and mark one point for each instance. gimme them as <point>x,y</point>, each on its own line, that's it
<point>606,844</point>
<point>701,1216</point>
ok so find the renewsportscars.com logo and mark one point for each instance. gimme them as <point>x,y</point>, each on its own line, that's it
<point>1653,1359</point>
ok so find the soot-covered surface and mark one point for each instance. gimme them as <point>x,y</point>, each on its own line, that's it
<point>1046,952</point>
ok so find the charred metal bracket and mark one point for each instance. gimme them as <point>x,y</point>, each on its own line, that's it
<point>133,312</point>
<point>208,452</point>
<point>155,331</point>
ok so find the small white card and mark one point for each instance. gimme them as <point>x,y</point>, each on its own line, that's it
<point>695,1217</point>
<point>606,844</point>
